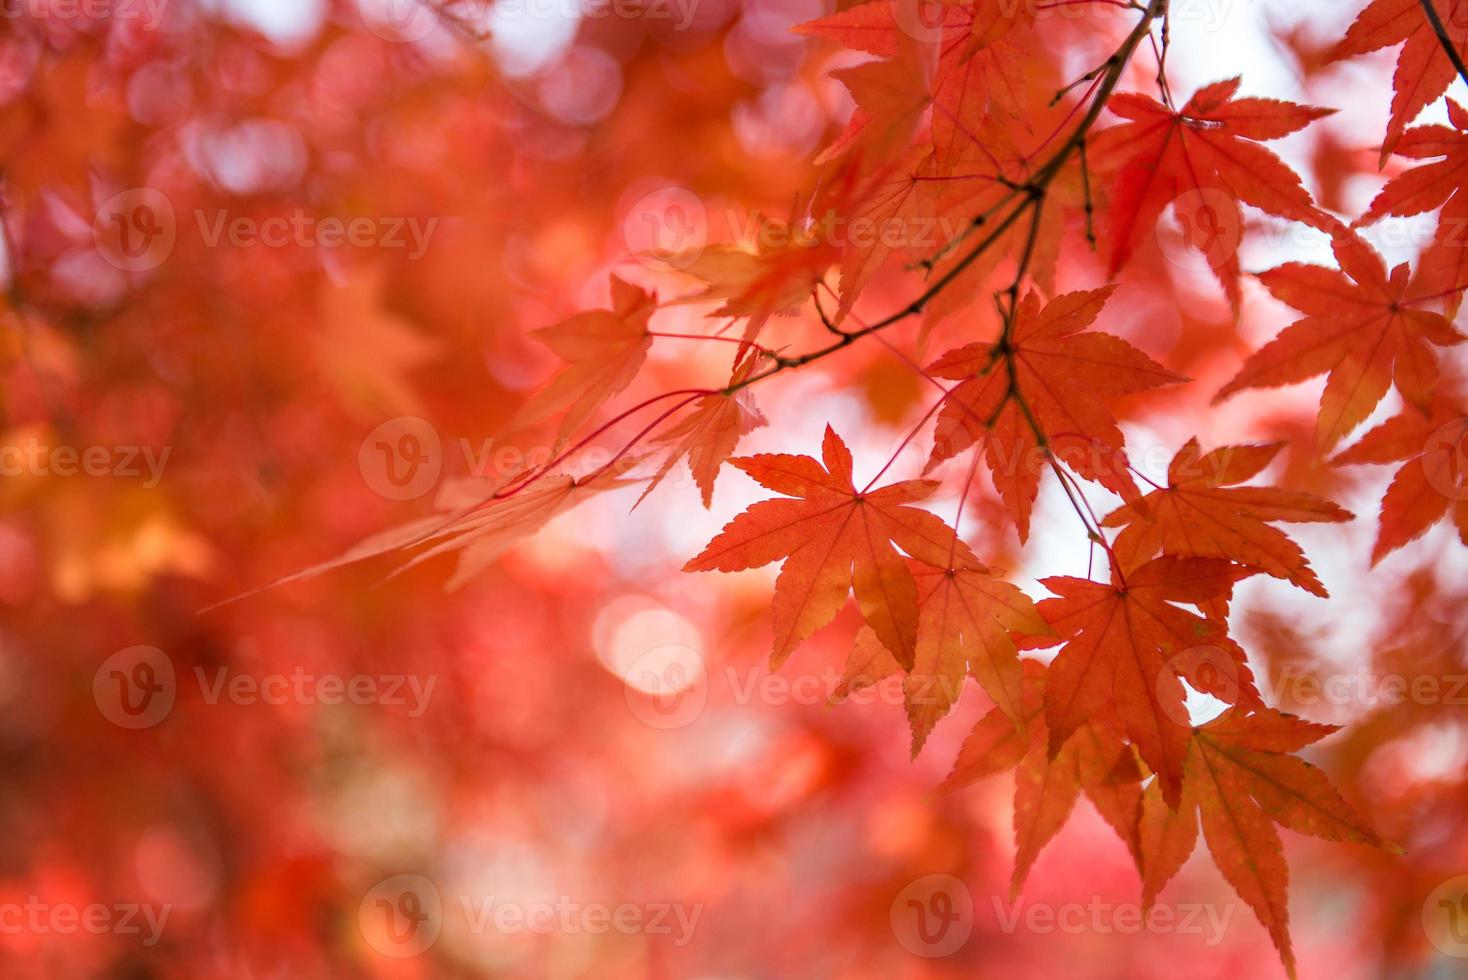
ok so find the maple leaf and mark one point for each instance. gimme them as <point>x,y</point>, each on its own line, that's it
<point>604,350</point>
<point>1207,147</point>
<point>1065,375</point>
<point>367,351</point>
<point>867,663</point>
<point>1424,70</point>
<point>710,433</point>
<point>1095,760</point>
<point>1127,646</point>
<point>1359,327</point>
<point>966,615</point>
<point>1201,514</point>
<point>891,97</point>
<point>1431,483</point>
<point>473,522</point>
<point>1443,268</point>
<point>774,275</point>
<point>1242,782</point>
<point>832,540</point>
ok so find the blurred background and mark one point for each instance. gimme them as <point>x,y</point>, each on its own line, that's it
<point>271,269</point>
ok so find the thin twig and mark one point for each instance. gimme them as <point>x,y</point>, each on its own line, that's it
<point>1447,42</point>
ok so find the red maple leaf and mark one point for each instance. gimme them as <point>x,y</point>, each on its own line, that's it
<point>1433,480</point>
<point>1424,70</point>
<point>833,539</point>
<point>1063,378</point>
<point>1242,782</point>
<point>1208,148</point>
<point>1201,514</point>
<point>1359,327</point>
<point>1443,267</point>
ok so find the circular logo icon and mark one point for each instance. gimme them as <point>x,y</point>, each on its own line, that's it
<point>401,916</point>
<point>1205,231</point>
<point>666,229</point>
<point>135,688</point>
<point>1208,670</point>
<point>921,20</point>
<point>1445,917</point>
<point>1445,460</point>
<point>403,21</point>
<point>402,458</point>
<point>136,230</point>
<point>667,687</point>
<point>933,916</point>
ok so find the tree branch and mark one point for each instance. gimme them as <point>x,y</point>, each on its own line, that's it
<point>1442,36</point>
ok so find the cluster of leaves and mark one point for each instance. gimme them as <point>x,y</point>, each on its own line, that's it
<point>943,130</point>
<point>950,129</point>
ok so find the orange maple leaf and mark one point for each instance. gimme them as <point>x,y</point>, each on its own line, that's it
<point>1424,70</point>
<point>1443,267</point>
<point>1242,781</point>
<point>1431,483</point>
<point>1200,514</point>
<point>1065,375</point>
<point>772,275</point>
<point>1207,147</point>
<point>1095,759</point>
<point>833,539</point>
<point>710,433</point>
<point>966,614</point>
<point>1128,648</point>
<point>604,350</point>
<point>1359,327</point>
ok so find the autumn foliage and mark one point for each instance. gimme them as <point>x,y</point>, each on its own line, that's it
<point>1084,432</point>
